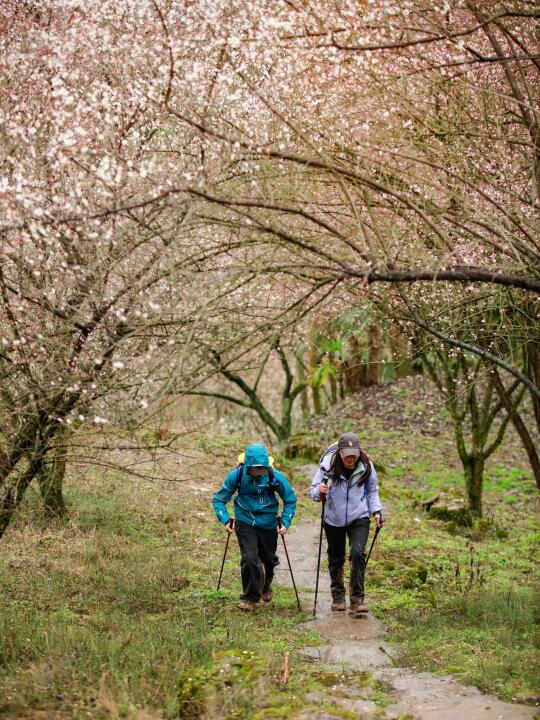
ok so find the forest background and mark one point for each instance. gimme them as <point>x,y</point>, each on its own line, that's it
<point>234,220</point>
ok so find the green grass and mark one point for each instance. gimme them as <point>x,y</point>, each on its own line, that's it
<point>113,613</point>
<point>477,613</point>
<point>488,638</point>
<point>109,612</point>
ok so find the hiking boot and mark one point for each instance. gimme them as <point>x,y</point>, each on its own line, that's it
<point>338,605</point>
<point>247,605</point>
<point>267,594</point>
<point>358,607</point>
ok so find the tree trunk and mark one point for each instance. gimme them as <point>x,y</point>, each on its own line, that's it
<point>12,494</point>
<point>316,398</point>
<point>314,359</point>
<point>304,399</point>
<point>375,354</point>
<point>521,428</point>
<point>51,480</point>
<point>532,369</point>
<point>353,366</point>
<point>333,382</point>
<point>341,383</point>
<point>286,418</point>
<point>474,479</point>
<point>401,353</point>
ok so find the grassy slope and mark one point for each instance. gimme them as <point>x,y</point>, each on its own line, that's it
<point>113,614</point>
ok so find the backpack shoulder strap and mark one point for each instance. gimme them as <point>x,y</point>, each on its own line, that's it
<point>239,471</point>
<point>329,450</point>
<point>274,484</point>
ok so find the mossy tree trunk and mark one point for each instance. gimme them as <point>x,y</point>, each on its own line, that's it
<point>301,375</point>
<point>13,492</point>
<point>472,401</point>
<point>401,353</point>
<point>51,481</point>
<point>314,360</point>
<point>353,366</point>
<point>474,478</point>
<point>333,380</point>
<point>375,354</point>
<point>532,368</point>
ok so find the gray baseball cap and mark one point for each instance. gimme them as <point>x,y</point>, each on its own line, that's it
<point>349,444</point>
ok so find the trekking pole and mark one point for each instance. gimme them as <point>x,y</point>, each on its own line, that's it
<point>230,523</point>
<point>377,529</point>
<point>323,500</point>
<point>280,523</point>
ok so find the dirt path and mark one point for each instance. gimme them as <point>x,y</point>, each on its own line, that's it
<point>357,644</point>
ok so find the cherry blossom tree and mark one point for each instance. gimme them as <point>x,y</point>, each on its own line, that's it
<point>102,278</point>
<point>409,153</point>
<point>162,158</point>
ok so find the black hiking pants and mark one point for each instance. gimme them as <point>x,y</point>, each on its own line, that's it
<point>257,547</point>
<point>336,537</point>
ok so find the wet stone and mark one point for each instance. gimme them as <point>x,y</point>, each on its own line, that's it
<point>311,652</point>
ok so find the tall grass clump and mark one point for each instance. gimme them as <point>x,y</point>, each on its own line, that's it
<point>489,638</point>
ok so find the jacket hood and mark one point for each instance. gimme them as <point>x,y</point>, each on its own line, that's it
<point>256,454</point>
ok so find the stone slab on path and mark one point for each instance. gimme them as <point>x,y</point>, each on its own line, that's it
<point>439,697</point>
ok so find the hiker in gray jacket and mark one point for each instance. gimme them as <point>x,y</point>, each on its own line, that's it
<point>347,478</point>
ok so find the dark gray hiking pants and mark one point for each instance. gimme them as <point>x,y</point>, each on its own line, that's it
<point>257,547</point>
<point>336,537</point>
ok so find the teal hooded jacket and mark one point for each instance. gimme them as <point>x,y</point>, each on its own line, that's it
<point>256,503</point>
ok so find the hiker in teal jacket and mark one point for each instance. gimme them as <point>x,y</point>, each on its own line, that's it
<point>255,520</point>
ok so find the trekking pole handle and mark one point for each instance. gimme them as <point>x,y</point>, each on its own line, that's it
<point>229,525</point>
<point>323,495</point>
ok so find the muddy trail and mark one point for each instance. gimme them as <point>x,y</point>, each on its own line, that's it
<point>355,645</point>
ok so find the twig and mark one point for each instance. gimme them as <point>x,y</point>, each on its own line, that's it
<point>285,668</point>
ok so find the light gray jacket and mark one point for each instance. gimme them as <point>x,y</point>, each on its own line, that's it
<point>345,501</point>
